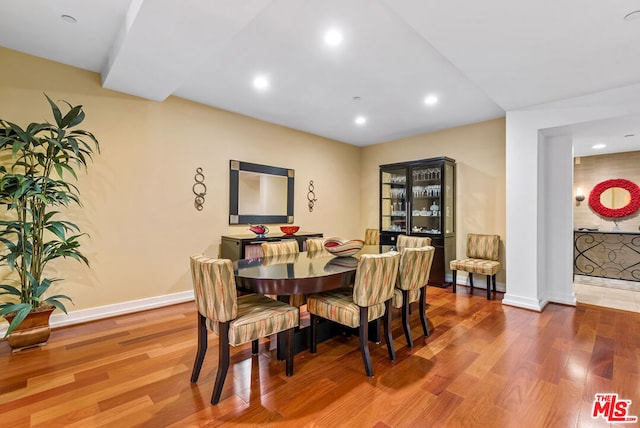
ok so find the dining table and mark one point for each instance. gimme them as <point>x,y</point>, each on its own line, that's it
<point>302,273</point>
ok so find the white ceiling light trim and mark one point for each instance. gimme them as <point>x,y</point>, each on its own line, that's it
<point>632,16</point>
<point>68,18</point>
<point>360,120</point>
<point>599,146</point>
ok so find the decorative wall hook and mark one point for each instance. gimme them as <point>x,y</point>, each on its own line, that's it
<point>199,185</point>
<point>311,196</point>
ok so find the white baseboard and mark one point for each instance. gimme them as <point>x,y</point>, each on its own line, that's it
<point>524,302</point>
<point>59,319</point>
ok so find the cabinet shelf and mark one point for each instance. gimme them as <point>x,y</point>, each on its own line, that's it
<point>425,186</point>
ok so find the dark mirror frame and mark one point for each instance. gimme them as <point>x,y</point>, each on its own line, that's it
<point>234,173</point>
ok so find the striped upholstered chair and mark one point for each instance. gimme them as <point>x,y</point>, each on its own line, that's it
<point>316,246</point>
<point>371,237</point>
<point>411,285</point>
<point>236,320</point>
<point>405,241</point>
<point>482,258</point>
<point>368,300</point>
<point>281,248</point>
<point>278,248</point>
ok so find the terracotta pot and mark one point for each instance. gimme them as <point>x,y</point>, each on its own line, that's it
<point>34,330</point>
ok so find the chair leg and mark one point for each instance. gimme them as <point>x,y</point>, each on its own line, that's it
<point>423,310</point>
<point>494,282</point>
<point>202,348</point>
<point>364,340</point>
<point>405,317</point>
<point>488,287</point>
<point>387,329</point>
<point>255,345</point>
<point>453,286</point>
<point>471,281</point>
<point>313,332</point>
<point>288,338</point>
<point>223,361</point>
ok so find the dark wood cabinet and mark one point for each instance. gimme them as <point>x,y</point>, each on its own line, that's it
<point>237,247</point>
<point>418,198</point>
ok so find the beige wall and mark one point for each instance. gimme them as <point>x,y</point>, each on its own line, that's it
<point>479,151</point>
<point>137,195</point>
<point>137,198</point>
<point>591,170</point>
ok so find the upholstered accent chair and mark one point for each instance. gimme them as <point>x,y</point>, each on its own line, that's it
<point>405,241</point>
<point>236,320</point>
<point>316,245</point>
<point>411,285</point>
<point>369,299</point>
<point>278,248</point>
<point>371,237</point>
<point>482,258</point>
<point>281,248</point>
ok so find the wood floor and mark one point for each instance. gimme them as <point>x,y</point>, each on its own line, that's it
<point>484,364</point>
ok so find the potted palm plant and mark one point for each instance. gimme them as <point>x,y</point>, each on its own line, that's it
<point>35,163</point>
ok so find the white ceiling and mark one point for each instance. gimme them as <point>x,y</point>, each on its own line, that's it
<point>480,58</point>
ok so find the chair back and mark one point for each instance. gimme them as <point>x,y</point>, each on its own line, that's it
<point>415,267</point>
<point>371,237</point>
<point>287,246</point>
<point>375,278</point>
<point>405,241</point>
<point>214,287</point>
<point>483,246</point>
<point>315,244</point>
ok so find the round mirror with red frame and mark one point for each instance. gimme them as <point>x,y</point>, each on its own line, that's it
<point>630,208</point>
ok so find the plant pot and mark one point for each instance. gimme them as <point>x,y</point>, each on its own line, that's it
<point>33,331</point>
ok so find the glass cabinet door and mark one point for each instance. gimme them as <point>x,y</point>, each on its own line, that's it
<point>426,191</point>
<point>448,211</point>
<point>394,200</point>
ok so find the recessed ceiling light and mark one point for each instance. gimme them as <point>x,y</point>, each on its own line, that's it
<point>431,100</point>
<point>632,16</point>
<point>260,82</point>
<point>68,18</point>
<point>361,120</point>
<point>333,37</point>
<point>599,146</point>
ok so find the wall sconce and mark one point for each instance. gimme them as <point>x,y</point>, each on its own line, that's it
<point>579,194</point>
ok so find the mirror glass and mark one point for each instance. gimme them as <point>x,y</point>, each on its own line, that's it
<point>260,194</point>
<point>615,197</point>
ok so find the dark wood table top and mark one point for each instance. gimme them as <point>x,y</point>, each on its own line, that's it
<point>300,273</point>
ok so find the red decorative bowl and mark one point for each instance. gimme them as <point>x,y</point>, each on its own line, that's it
<point>289,230</point>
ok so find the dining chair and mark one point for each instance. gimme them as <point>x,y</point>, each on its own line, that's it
<point>368,300</point>
<point>411,285</point>
<point>405,241</point>
<point>236,320</point>
<point>280,248</point>
<point>315,245</point>
<point>482,258</point>
<point>371,237</point>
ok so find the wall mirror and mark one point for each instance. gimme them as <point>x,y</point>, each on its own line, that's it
<point>260,194</point>
<point>615,198</point>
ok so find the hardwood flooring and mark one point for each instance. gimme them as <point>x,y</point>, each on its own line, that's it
<point>484,365</point>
